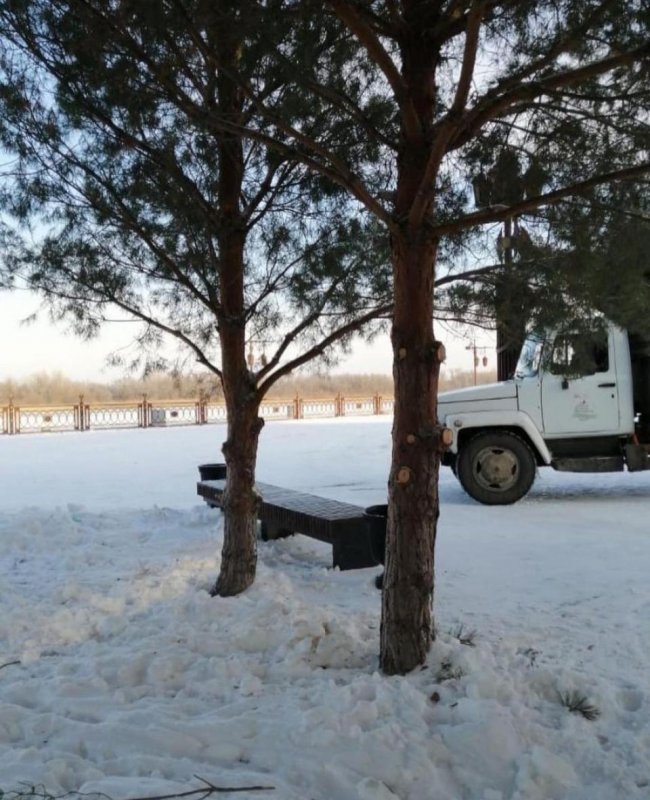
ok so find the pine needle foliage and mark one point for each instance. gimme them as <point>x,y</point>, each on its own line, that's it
<point>463,635</point>
<point>578,703</point>
<point>134,195</point>
<point>448,671</point>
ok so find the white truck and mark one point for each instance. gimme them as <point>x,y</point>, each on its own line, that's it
<point>577,403</point>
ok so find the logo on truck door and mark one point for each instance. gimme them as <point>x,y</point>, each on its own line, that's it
<point>582,410</point>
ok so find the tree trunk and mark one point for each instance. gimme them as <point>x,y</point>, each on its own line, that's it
<point>508,349</point>
<point>511,328</point>
<point>406,628</point>
<point>239,552</point>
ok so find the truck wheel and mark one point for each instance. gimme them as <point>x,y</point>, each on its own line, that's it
<point>496,468</point>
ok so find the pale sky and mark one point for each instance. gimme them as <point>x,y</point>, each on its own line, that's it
<point>42,347</point>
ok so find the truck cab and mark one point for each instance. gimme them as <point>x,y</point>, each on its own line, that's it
<point>577,402</point>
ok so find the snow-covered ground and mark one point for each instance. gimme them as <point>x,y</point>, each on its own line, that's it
<point>132,681</point>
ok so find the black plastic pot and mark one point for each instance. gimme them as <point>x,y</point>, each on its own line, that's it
<point>376,519</point>
<point>212,472</point>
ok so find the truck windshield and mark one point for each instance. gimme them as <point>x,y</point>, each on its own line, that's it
<point>530,357</point>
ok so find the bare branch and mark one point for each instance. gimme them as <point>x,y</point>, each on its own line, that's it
<point>264,188</point>
<point>318,349</point>
<point>474,20</point>
<point>342,101</point>
<point>293,334</point>
<point>447,127</point>
<point>136,312</point>
<point>355,23</point>
<point>331,166</point>
<point>496,103</point>
<point>562,45</point>
<point>498,214</point>
<point>467,275</point>
<point>272,282</point>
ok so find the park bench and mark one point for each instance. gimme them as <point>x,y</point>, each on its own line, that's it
<point>284,512</point>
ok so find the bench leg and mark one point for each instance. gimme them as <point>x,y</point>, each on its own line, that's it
<point>353,552</point>
<point>269,531</point>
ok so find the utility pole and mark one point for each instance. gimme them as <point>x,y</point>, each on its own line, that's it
<point>475,350</point>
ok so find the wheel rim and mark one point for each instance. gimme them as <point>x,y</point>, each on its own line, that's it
<point>496,469</point>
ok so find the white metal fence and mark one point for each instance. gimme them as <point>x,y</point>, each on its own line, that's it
<point>83,416</point>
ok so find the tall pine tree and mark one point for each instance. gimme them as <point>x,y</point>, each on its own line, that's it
<point>563,83</point>
<point>126,120</point>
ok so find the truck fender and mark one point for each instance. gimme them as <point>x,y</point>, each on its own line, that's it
<point>507,420</point>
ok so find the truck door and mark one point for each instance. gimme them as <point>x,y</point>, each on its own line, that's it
<point>579,386</point>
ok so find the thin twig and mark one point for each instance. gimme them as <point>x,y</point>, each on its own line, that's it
<point>207,790</point>
<point>9,664</point>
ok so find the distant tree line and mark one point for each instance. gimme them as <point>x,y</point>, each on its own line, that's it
<point>52,388</point>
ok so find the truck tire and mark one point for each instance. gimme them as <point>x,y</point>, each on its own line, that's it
<point>496,468</point>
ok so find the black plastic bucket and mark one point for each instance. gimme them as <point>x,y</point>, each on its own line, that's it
<point>212,472</point>
<point>376,520</point>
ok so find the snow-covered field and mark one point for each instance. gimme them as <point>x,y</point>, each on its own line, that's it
<point>119,674</point>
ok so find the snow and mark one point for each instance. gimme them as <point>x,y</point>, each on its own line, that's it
<point>133,681</point>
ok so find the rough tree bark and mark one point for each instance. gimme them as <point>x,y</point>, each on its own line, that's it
<point>413,484</point>
<point>239,552</point>
<point>510,328</point>
<point>406,626</point>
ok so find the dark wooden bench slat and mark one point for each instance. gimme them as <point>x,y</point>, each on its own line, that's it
<point>286,511</point>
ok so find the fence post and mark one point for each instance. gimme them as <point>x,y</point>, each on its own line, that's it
<point>341,405</point>
<point>144,412</point>
<point>377,399</point>
<point>11,421</point>
<point>81,417</point>
<point>200,410</point>
<point>297,408</point>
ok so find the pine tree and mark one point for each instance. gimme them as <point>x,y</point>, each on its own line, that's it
<point>465,83</point>
<point>412,105</point>
<point>126,122</point>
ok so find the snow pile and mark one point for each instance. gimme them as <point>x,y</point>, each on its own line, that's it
<point>132,680</point>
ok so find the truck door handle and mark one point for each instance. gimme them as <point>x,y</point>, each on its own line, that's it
<point>606,385</point>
